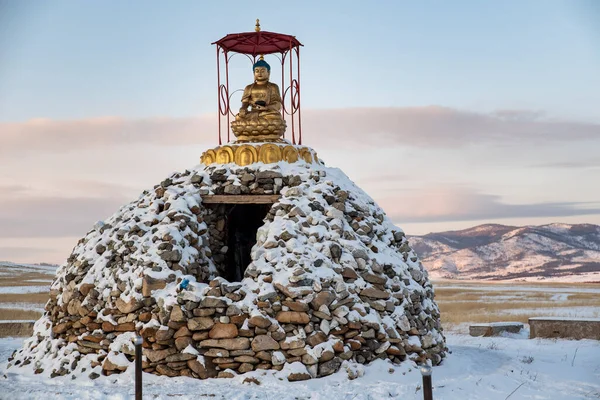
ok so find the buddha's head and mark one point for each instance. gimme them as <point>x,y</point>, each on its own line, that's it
<point>262,71</point>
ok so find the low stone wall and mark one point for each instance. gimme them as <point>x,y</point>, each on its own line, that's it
<point>495,328</point>
<point>571,328</point>
<point>16,328</point>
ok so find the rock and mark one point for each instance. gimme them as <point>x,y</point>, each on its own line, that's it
<point>265,175</point>
<point>200,323</point>
<point>223,331</point>
<point>233,189</point>
<point>213,302</point>
<point>299,376</point>
<point>108,327</point>
<point>107,365</point>
<point>158,355</point>
<point>196,179</point>
<point>349,273</point>
<point>126,327</point>
<point>199,369</point>
<point>336,251</point>
<point>227,344</point>
<point>324,298</point>
<point>309,359</point>
<point>85,288</point>
<point>61,328</point>
<point>245,367</point>
<point>226,374</point>
<point>396,351</point>
<point>316,338</point>
<point>291,343</point>
<point>217,353</point>
<point>177,314</point>
<point>183,342</point>
<point>326,356</point>
<point>247,359</point>
<point>164,334</point>
<point>375,293</point>
<point>164,370</point>
<point>296,306</point>
<point>128,307</point>
<point>293,317</point>
<point>172,256</point>
<point>180,357</point>
<point>183,331</point>
<point>264,342</point>
<point>260,321</point>
<point>329,367</point>
<point>374,279</point>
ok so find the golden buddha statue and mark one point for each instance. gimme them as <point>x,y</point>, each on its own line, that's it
<point>262,121</point>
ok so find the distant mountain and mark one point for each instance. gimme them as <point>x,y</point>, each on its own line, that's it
<point>554,252</point>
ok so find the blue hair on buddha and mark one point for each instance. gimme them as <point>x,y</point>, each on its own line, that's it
<point>262,63</point>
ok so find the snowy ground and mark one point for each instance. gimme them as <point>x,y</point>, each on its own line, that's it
<point>478,368</point>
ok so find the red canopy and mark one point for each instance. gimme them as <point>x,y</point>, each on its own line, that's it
<point>258,43</point>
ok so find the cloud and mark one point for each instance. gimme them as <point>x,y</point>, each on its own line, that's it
<point>50,136</point>
<point>17,253</point>
<point>54,216</point>
<point>589,163</point>
<point>433,126</point>
<point>441,127</point>
<point>14,190</point>
<point>443,204</point>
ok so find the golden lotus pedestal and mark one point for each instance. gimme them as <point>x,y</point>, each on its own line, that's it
<point>261,129</point>
<point>268,153</point>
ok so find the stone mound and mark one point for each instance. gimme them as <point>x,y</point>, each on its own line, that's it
<point>330,279</point>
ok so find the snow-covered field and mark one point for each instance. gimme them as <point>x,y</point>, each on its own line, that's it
<point>478,368</point>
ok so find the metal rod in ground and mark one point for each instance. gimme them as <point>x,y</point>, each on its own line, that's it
<point>138,367</point>
<point>427,390</point>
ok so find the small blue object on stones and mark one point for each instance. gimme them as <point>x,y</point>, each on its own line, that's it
<point>184,284</point>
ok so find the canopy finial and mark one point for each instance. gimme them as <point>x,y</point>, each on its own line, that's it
<point>257,26</point>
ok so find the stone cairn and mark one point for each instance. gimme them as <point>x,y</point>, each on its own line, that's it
<point>331,279</point>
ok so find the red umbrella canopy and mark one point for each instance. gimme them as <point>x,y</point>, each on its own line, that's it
<point>258,43</point>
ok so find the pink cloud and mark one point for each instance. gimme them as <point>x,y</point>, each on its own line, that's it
<point>433,126</point>
<point>459,203</point>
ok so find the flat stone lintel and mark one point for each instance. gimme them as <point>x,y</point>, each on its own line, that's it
<point>240,199</point>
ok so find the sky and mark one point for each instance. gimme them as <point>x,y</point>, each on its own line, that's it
<point>449,114</point>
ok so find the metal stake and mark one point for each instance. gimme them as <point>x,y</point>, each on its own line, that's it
<point>138,367</point>
<point>427,391</point>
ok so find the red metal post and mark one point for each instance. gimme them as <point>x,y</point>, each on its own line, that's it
<point>292,94</point>
<point>299,105</point>
<point>219,93</point>
<point>227,101</point>
<point>282,88</point>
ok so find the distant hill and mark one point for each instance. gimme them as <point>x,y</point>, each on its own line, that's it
<point>555,252</point>
<point>15,268</point>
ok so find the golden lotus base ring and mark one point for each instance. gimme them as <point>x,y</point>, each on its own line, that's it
<point>268,153</point>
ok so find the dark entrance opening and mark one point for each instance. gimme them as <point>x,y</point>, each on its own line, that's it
<point>242,222</point>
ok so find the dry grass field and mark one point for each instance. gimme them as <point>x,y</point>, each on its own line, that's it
<point>23,292</point>
<point>462,303</point>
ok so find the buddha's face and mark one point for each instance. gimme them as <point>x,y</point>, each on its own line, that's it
<point>261,74</point>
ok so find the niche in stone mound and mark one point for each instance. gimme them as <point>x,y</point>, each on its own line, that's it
<point>232,229</point>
